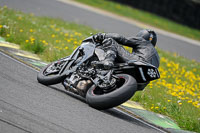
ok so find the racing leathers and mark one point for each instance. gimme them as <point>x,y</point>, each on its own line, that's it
<point>142,50</point>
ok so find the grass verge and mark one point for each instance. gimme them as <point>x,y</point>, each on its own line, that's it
<point>176,94</point>
<point>145,17</point>
<point>49,38</point>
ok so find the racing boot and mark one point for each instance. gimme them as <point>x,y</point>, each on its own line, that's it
<point>108,62</point>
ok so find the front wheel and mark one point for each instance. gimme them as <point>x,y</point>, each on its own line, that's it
<point>49,75</point>
<point>125,88</point>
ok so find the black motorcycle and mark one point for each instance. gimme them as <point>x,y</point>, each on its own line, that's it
<point>83,74</point>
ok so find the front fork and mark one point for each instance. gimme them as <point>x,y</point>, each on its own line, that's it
<point>70,61</point>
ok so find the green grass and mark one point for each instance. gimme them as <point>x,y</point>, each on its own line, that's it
<point>145,17</point>
<point>176,94</point>
<point>49,38</point>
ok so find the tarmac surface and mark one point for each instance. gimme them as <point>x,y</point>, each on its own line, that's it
<point>27,106</point>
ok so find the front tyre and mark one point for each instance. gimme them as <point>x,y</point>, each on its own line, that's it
<point>125,89</point>
<point>50,79</point>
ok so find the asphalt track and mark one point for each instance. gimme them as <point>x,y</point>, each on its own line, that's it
<point>58,9</point>
<point>27,106</point>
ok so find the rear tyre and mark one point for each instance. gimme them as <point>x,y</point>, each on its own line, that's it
<point>125,89</point>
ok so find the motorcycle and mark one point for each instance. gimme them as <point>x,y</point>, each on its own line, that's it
<point>103,88</point>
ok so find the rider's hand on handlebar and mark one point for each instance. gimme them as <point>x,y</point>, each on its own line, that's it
<point>99,37</point>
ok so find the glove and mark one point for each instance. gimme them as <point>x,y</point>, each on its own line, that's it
<point>99,37</point>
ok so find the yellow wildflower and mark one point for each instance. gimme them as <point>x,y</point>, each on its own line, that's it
<point>180,103</point>
<point>66,47</point>
<point>21,30</point>
<point>19,18</point>
<point>31,30</point>
<point>66,34</point>
<point>44,41</point>
<point>57,41</point>
<point>52,35</point>
<point>52,26</point>
<point>57,29</point>
<point>32,39</point>
<point>75,42</point>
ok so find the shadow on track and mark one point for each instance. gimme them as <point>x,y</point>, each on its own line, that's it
<point>112,111</point>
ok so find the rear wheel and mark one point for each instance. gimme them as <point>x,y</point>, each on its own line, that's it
<point>124,89</point>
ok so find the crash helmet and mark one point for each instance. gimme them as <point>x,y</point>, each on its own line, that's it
<point>148,35</point>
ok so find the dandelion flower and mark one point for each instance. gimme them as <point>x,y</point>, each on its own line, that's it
<point>1,26</point>
<point>52,26</point>
<point>75,42</point>
<point>21,30</point>
<point>31,30</point>
<point>19,18</point>
<point>44,41</point>
<point>32,39</point>
<point>52,35</point>
<point>57,29</point>
<point>66,48</point>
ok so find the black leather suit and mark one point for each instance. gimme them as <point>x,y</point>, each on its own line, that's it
<point>142,49</point>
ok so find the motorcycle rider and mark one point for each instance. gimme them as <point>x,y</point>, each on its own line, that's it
<point>143,49</point>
